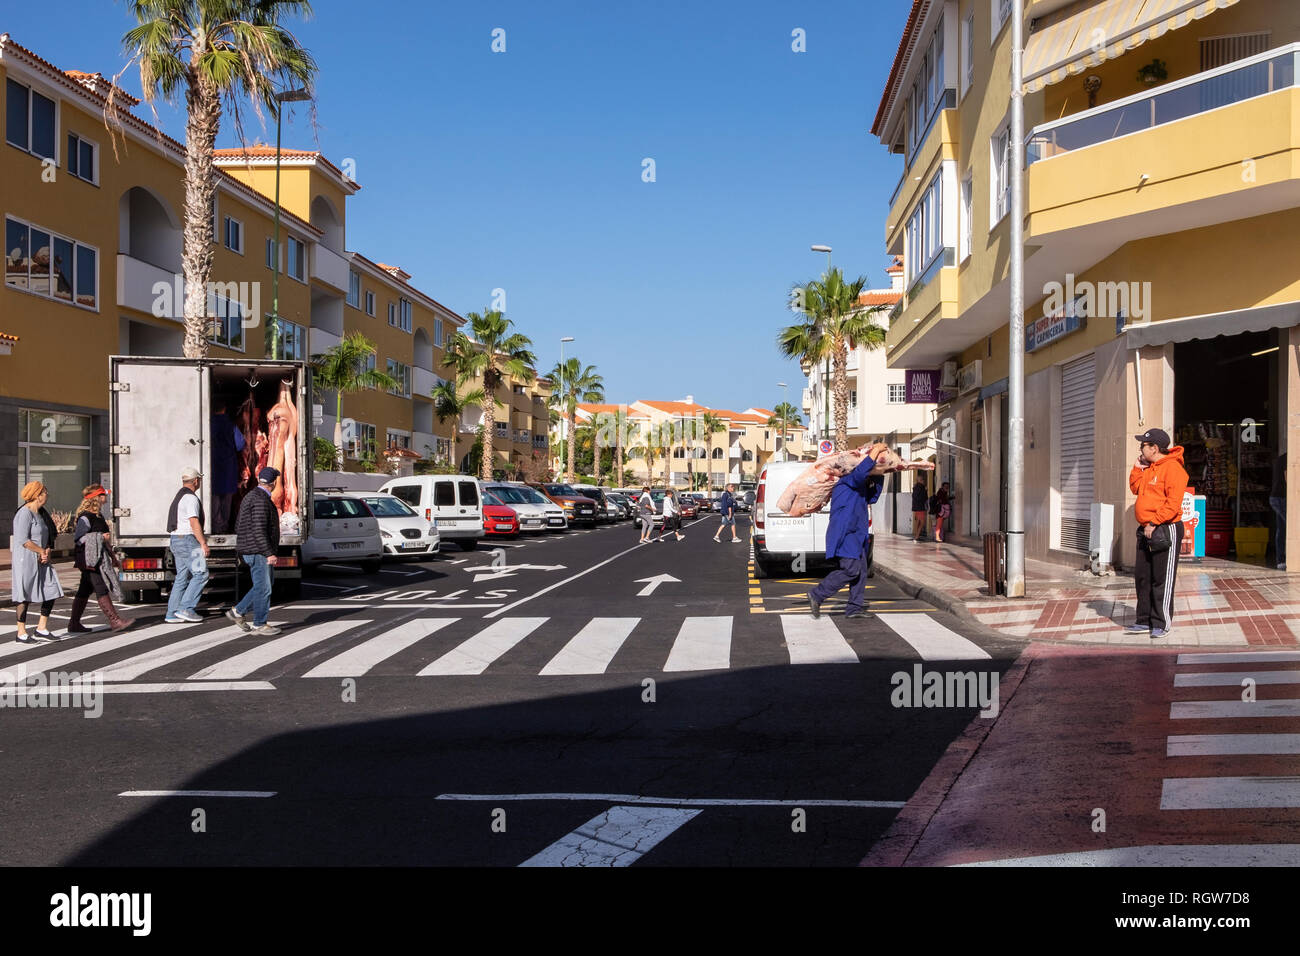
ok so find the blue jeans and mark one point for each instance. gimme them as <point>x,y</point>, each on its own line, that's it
<point>191,575</point>
<point>258,599</point>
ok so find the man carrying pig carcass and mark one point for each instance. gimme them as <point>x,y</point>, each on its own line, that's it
<point>846,537</point>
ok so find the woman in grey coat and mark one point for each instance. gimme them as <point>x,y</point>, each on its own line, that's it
<point>34,577</point>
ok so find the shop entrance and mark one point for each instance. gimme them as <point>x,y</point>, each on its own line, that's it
<point>1226,413</point>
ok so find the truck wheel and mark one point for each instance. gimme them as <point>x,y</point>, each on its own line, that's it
<point>468,544</point>
<point>370,567</point>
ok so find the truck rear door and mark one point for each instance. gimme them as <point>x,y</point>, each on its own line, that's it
<point>159,419</point>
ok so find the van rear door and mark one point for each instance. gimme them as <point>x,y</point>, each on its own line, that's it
<point>787,535</point>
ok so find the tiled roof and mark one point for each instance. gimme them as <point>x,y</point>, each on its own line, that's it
<point>595,409</point>
<point>677,408</point>
<point>264,151</point>
<point>896,71</point>
<point>879,298</point>
<point>94,82</point>
<point>897,267</point>
<point>396,271</point>
<point>6,337</point>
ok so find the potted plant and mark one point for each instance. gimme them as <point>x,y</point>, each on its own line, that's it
<point>1154,72</point>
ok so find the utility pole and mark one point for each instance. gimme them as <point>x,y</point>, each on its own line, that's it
<point>1016,364</point>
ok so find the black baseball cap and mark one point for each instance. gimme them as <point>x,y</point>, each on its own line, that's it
<point>268,475</point>
<point>1156,436</point>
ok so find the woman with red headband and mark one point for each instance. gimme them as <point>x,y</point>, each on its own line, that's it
<point>89,522</point>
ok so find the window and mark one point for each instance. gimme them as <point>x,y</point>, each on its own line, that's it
<point>897,394</point>
<point>270,253</point>
<point>404,315</point>
<point>212,214</point>
<point>30,120</point>
<point>968,44</point>
<point>853,399</point>
<point>50,265</point>
<point>54,448</point>
<point>1220,51</point>
<point>366,364</point>
<point>354,290</point>
<point>370,303</point>
<point>293,340</point>
<point>999,176</point>
<point>225,322</point>
<point>399,439</point>
<point>746,455</point>
<point>927,91</point>
<point>297,264</point>
<point>362,441</point>
<point>82,159</point>
<point>402,373</point>
<point>1001,12</point>
<point>392,314</point>
<point>234,235</point>
<point>924,236</point>
<point>437,332</point>
<point>717,453</point>
<point>967,214</point>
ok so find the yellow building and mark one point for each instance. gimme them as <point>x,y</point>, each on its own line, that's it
<point>1162,253</point>
<point>522,420</point>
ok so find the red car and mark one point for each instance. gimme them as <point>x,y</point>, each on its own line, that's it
<point>687,506</point>
<point>500,521</point>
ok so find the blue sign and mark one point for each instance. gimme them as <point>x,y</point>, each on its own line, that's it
<point>1052,327</point>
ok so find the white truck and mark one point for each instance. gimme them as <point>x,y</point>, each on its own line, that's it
<point>160,417</point>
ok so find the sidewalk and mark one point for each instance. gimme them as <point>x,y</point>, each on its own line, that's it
<point>1216,602</point>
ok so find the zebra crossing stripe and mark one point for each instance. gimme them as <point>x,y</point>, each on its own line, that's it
<point>618,837</point>
<point>82,651</point>
<point>591,649</point>
<point>1239,657</point>
<point>133,667</point>
<point>476,654</point>
<point>1199,709</point>
<point>933,641</point>
<point>702,644</point>
<point>1217,745</point>
<point>357,661</point>
<point>276,649</point>
<point>1229,793</point>
<point>1234,678</point>
<point>817,641</point>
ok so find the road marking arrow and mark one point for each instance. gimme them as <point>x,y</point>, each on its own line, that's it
<point>655,581</point>
<point>492,574</point>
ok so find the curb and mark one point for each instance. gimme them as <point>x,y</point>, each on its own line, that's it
<point>910,825</point>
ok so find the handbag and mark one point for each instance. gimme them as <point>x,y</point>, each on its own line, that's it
<point>1158,542</point>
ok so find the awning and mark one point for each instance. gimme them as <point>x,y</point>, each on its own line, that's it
<point>1102,31</point>
<point>1284,315</point>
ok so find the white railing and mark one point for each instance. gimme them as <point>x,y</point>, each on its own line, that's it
<point>422,382</point>
<point>135,287</point>
<point>319,341</point>
<point>328,266</point>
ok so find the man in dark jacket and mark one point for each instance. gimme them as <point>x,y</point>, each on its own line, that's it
<point>848,535</point>
<point>920,508</point>
<point>727,507</point>
<point>257,532</point>
<point>227,443</point>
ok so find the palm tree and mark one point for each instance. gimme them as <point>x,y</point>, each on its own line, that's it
<point>217,53</point>
<point>575,384</point>
<point>448,403</point>
<point>806,342</point>
<point>344,369</point>
<point>782,416</point>
<point>491,352</point>
<point>711,424</point>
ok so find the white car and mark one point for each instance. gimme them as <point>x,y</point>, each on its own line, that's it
<point>536,512</point>
<point>342,531</point>
<point>405,534</point>
<point>452,502</point>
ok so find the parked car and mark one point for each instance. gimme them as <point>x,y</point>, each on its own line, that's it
<point>344,531</point>
<point>577,508</point>
<point>688,507</point>
<point>499,521</point>
<point>453,502</point>
<point>605,512</point>
<point>403,532</point>
<point>536,512</point>
<point>624,505</point>
<point>777,536</point>
<point>656,496</point>
<point>700,498</point>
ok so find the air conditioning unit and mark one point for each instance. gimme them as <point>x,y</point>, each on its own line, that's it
<point>1101,537</point>
<point>948,376</point>
<point>970,376</point>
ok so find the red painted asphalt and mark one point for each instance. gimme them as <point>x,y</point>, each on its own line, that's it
<point>1086,728</point>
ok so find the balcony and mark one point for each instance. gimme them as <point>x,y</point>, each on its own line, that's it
<point>320,341</point>
<point>940,143</point>
<point>329,267</point>
<point>422,382</point>
<point>135,283</point>
<point>1170,159</point>
<point>931,305</point>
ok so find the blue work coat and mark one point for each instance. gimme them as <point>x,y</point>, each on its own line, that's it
<point>851,500</point>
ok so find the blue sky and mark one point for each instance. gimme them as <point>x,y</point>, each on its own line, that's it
<point>522,170</point>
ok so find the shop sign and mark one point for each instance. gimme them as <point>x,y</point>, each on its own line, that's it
<point>1050,328</point>
<point>923,385</point>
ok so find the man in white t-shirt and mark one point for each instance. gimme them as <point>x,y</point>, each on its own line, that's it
<point>189,549</point>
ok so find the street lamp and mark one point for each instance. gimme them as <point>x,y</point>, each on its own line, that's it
<point>1015,550</point>
<point>785,395</point>
<point>568,475</point>
<point>285,96</point>
<point>826,371</point>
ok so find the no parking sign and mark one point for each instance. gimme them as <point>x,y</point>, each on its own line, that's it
<point>826,447</point>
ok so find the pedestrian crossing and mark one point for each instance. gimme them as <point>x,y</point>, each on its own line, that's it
<point>1237,735</point>
<point>173,656</point>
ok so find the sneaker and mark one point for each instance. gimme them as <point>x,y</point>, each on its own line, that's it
<point>1136,629</point>
<point>736,541</point>
<point>266,630</point>
<point>169,619</point>
<point>1159,632</point>
<point>1281,566</point>
<point>717,540</point>
<point>30,639</point>
<point>239,619</point>
<point>190,617</point>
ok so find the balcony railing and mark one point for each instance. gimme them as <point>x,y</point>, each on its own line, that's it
<point>1245,79</point>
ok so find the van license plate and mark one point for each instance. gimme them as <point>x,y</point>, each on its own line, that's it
<point>345,545</point>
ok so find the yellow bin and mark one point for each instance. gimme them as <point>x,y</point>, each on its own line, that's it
<point>1251,543</point>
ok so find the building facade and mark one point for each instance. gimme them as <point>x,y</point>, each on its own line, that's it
<point>1162,256</point>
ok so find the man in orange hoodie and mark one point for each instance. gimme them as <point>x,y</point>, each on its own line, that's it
<point>1159,481</point>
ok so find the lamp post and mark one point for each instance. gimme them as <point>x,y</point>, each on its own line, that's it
<point>285,96</point>
<point>785,396</point>
<point>826,370</point>
<point>1016,345</point>
<point>568,475</point>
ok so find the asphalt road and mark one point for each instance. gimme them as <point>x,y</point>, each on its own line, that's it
<point>521,704</point>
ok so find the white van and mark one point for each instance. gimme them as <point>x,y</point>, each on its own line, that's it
<point>453,502</point>
<point>778,538</point>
